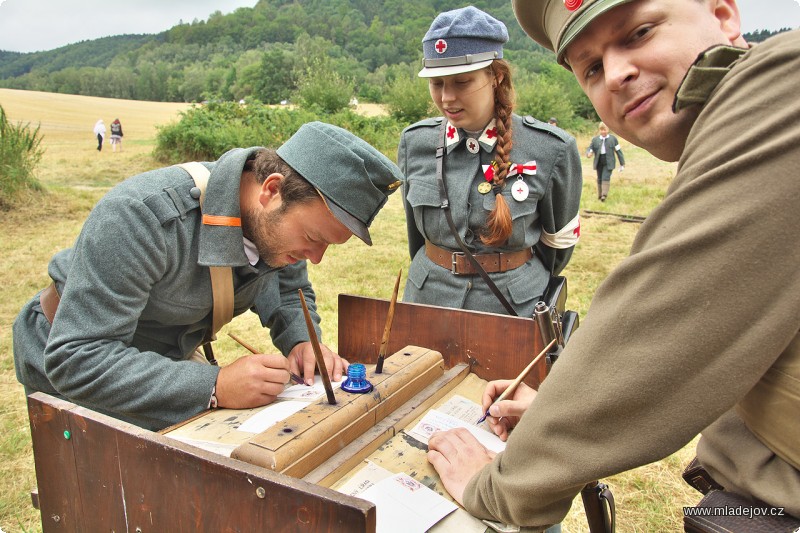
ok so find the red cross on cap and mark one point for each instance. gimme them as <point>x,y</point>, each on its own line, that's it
<point>440,46</point>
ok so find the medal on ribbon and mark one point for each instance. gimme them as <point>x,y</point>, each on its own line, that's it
<point>488,174</point>
<point>520,189</point>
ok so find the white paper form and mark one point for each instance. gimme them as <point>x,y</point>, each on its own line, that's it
<point>271,415</point>
<point>435,420</point>
<point>293,399</point>
<point>370,474</point>
<point>366,477</point>
<point>219,448</point>
<point>404,505</point>
<point>304,392</point>
<point>463,409</point>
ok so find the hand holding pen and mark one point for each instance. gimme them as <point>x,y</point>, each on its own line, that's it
<point>509,388</point>
<point>297,379</point>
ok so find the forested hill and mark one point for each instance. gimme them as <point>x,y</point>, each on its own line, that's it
<point>265,52</point>
<point>254,52</point>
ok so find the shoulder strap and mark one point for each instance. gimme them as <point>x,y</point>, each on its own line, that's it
<point>221,277</point>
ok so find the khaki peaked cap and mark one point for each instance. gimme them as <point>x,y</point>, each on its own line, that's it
<point>555,23</point>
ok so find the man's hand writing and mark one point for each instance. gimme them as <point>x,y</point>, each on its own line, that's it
<point>252,381</point>
<point>504,415</point>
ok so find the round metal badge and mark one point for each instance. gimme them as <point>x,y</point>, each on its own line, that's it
<point>473,146</point>
<point>484,187</point>
<point>520,190</point>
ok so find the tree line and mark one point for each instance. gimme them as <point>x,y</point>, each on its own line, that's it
<point>277,50</point>
<point>320,51</point>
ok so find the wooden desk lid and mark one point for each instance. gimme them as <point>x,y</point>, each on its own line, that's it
<point>306,439</point>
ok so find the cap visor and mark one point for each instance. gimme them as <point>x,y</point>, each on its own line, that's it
<point>358,228</point>
<point>433,72</point>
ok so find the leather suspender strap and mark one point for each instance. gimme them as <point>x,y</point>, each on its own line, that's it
<point>445,205</point>
<point>222,294</point>
<point>221,277</point>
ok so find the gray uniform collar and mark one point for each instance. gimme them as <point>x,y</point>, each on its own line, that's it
<point>223,245</point>
<point>454,137</point>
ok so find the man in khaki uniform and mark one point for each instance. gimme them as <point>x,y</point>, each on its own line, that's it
<point>696,331</point>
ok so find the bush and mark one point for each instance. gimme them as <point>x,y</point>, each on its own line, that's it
<point>205,133</point>
<point>408,99</point>
<point>20,152</point>
<point>543,99</point>
<point>321,87</point>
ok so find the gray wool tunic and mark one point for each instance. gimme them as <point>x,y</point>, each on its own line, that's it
<point>551,207</point>
<point>136,299</point>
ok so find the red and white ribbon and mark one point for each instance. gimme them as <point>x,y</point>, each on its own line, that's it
<point>526,168</point>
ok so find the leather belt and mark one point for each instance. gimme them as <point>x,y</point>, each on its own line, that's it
<point>458,264</point>
<point>49,300</point>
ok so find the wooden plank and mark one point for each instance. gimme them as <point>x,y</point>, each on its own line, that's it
<point>351,455</point>
<point>495,346</point>
<point>158,484</point>
<point>300,443</point>
<point>60,499</point>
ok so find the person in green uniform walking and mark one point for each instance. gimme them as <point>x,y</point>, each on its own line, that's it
<point>605,150</point>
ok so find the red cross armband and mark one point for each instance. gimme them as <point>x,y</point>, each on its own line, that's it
<point>566,237</point>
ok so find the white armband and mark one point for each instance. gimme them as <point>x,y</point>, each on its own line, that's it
<point>566,237</point>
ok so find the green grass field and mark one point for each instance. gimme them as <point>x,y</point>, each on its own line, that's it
<point>76,175</point>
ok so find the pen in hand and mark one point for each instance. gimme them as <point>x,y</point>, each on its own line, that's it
<point>514,384</point>
<point>297,379</point>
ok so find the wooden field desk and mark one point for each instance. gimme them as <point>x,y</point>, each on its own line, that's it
<point>96,473</point>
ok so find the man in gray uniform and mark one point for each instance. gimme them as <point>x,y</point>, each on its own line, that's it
<point>136,295</point>
<point>696,331</point>
<point>605,149</point>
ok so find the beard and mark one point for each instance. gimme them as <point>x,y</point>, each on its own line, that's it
<point>264,230</point>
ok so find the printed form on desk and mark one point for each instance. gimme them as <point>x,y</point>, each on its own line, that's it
<point>404,503</point>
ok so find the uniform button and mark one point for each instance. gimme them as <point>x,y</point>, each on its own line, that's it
<point>469,285</point>
<point>194,192</point>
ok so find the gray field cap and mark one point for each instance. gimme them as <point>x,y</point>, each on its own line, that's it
<point>462,40</point>
<point>555,23</point>
<point>353,178</point>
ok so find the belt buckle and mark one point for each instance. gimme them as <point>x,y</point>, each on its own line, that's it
<point>454,262</point>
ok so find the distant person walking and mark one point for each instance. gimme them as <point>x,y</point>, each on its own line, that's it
<point>116,135</point>
<point>100,131</point>
<point>603,148</point>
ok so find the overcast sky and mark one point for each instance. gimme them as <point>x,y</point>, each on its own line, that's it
<point>33,25</point>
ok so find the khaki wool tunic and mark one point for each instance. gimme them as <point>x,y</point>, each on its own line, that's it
<point>691,328</point>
